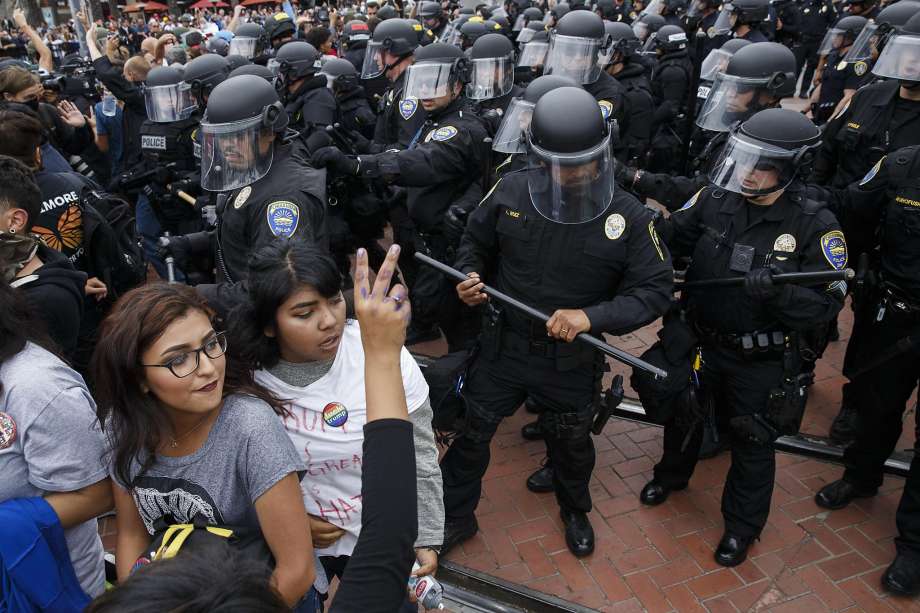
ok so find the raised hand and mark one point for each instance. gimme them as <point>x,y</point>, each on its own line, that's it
<point>383,315</point>
<point>71,114</point>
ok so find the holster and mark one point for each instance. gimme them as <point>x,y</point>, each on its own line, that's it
<point>490,338</point>
<point>568,426</point>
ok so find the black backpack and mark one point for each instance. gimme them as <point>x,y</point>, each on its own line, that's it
<point>113,249</point>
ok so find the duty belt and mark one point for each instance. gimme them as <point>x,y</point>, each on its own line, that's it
<point>765,344</point>
<point>899,300</point>
<point>517,342</point>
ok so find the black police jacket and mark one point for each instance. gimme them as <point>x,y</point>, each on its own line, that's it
<point>399,121</point>
<point>314,107</point>
<point>613,267</point>
<point>794,234</point>
<point>135,109</point>
<point>356,113</point>
<point>170,143</point>
<point>888,199</point>
<point>611,97</point>
<point>356,57</point>
<point>670,85</point>
<point>449,156</point>
<point>673,191</point>
<point>642,105</point>
<point>817,17</point>
<point>838,75</point>
<point>492,111</point>
<point>865,131</point>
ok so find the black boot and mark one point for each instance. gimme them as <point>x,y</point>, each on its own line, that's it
<point>457,531</point>
<point>840,493</point>
<point>903,576</point>
<point>579,535</point>
<point>732,550</point>
<point>843,430</point>
<point>541,481</point>
<point>656,492</point>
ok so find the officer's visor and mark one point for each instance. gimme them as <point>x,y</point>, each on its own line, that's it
<point>640,28</point>
<point>525,35</point>
<point>714,63</point>
<point>234,154</point>
<point>428,80</point>
<point>374,63</point>
<point>166,103</point>
<point>573,57</point>
<point>864,45</point>
<point>900,59</point>
<point>571,188</point>
<point>533,54</point>
<point>730,99</point>
<point>655,7</point>
<point>752,168</point>
<point>491,77</point>
<point>833,39</point>
<point>519,23</point>
<point>243,45</point>
<point>726,20</point>
<point>511,136</point>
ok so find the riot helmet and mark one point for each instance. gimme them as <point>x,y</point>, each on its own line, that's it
<point>738,12</point>
<point>766,153</point>
<point>167,97</point>
<point>646,25</point>
<point>387,11</point>
<point>858,7</point>
<point>717,59</point>
<point>842,35</point>
<point>395,37</point>
<point>437,69</point>
<point>668,39</point>
<point>527,32</point>
<point>558,12</point>
<point>875,34</point>
<point>279,29</point>
<point>533,53</point>
<point>511,136</point>
<point>249,40</point>
<point>355,35</point>
<point>235,61</point>
<point>470,32</point>
<point>254,69</point>
<point>576,45</point>
<point>492,73</point>
<point>623,43</point>
<point>756,77</point>
<point>430,13</point>
<point>203,74</point>
<point>298,60</point>
<point>237,131</point>
<point>901,57</point>
<point>218,45</point>
<point>341,75</point>
<point>570,157</point>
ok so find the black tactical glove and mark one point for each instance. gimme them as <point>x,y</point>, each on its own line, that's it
<point>455,223</point>
<point>361,144</point>
<point>758,284</point>
<point>334,160</point>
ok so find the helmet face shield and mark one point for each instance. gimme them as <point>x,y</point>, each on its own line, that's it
<point>730,99</point>
<point>525,35</point>
<point>166,103</point>
<point>428,80</point>
<point>640,28</point>
<point>374,63</point>
<point>234,154</point>
<point>243,45</point>
<point>726,20</point>
<point>533,54</point>
<point>833,39</point>
<point>511,136</point>
<point>900,59</point>
<point>571,188</point>
<point>751,168</point>
<point>865,47</point>
<point>714,63</point>
<point>573,57</point>
<point>491,77</point>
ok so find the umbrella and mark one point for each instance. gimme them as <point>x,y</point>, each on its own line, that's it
<point>252,2</point>
<point>209,4</point>
<point>147,7</point>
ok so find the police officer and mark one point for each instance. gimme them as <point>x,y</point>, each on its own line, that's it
<point>474,28</point>
<point>491,83</point>
<point>203,74</point>
<point>559,235</point>
<point>432,17</point>
<point>753,220</point>
<point>617,12</point>
<point>387,11</point>
<point>671,81</point>
<point>757,77</point>
<point>881,118</point>
<point>715,63</point>
<point>817,17</point>
<point>887,369</point>
<point>279,30</point>
<point>699,22</point>
<point>354,112</point>
<point>353,42</point>
<point>307,101</point>
<point>839,79</point>
<point>265,192</point>
<point>788,25</point>
<point>442,168</point>
<point>249,41</point>
<point>744,19</point>
<point>872,39</point>
<point>864,8</point>
<point>621,62</point>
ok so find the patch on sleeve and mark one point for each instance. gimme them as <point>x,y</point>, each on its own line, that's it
<point>606,108</point>
<point>860,68</point>
<point>839,287</point>
<point>7,431</point>
<point>655,240</point>
<point>282,217</point>
<point>834,247</point>
<point>407,107</point>
<point>443,134</point>
<point>873,171</point>
<point>692,201</point>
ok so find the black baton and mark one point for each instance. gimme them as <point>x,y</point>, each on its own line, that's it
<point>799,278</point>
<point>617,354</point>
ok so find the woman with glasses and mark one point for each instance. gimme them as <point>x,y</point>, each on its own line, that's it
<point>192,438</point>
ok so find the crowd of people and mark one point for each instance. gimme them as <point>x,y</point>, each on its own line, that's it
<point>208,231</point>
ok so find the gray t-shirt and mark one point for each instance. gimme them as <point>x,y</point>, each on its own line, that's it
<point>50,442</point>
<point>247,452</point>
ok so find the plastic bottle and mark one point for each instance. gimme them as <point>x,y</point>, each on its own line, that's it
<point>427,589</point>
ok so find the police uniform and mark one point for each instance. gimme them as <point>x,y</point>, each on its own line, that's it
<point>641,104</point>
<point>744,341</point>
<point>172,145</point>
<point>884,377</point>
<point>313,108</point>
<point>399,120</point>
<point>612,267</point>
<point>817,17</point>
<point>670,88</point>
<point>493,109</point>
<point>611,96</point>
<point>838,75</point>
<point>356,114</point>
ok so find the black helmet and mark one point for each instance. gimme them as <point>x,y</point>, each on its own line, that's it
<point>901,56</point>
<point>341,75</point>
<point>355,34</point>
<point>606,9</point>
<point>429,9</point>
<point>738,12</point>
<point>277,26</point>
<point>842,34</point>
<point>766,153</point>
<point>470,31</point>
<point>492,73</point>
<point>547,83</point>
<point>163,75</point>
<point>668,39</point>
<point>397,37</point>
<point>859,7</point>
<point>437,68</point>
<point>570,162</point>
<point>249,40</point>
<point>576,47</point>
<point>204,73</point>
<point>387,11</point>
<point>560,10</point>
<point>491,45</point>
<point>239,116</point>
<point>235,61</point>
<point>532,14</point>
<point>717,59</point>
<point>622,40</point>
<point>167,97</point>
<point>218,45</point>
<point>646,25</point>
<point>298,60</point>
<point>767,69</point>
<point>581,24</point>
<point>733,44</point>
<point>254,69</point>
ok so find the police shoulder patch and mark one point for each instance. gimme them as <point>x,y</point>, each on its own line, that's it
<point>614,226</point>
<point>407,107</point>
<point>655,240</point>
<point>873,171</point>
<point>606,108</point>
<point>692,201</point>
<point>444,133</point>
<point>282,217</point>
<point>860,68</point>
<point>834,248</point>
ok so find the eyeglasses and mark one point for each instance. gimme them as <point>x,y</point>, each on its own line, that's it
<point>186,363</point>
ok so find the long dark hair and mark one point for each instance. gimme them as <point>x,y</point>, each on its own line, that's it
<point>133,420</point>
<point>276,271</point>
<point>19,326</point>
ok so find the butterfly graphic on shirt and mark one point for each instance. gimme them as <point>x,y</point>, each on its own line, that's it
<point>69,231</point>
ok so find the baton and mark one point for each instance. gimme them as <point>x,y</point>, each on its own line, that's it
<point>799,278</point>
<point>617,354</point>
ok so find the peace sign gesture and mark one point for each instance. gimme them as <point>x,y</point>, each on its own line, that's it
<point>383,315</point>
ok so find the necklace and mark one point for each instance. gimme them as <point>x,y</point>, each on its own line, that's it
<point>175,440</point>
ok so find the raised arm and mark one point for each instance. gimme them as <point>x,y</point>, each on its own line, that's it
<point>44,53</point>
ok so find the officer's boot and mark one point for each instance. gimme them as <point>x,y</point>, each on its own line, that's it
<point>579,534</point>
<point>541,481</point>
<point>903,576</point>
<point>458,530</point>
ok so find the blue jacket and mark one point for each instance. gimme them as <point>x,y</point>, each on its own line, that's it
<point>35,569</point>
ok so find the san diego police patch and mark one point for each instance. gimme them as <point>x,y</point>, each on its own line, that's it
<point>614,226</point>
<point>860,68</point>
<point>408,107</point>
<point>7,430</point>
<point>834,247</point>
<point>606,108</point>
<point>784,242</point>
<point>282,218</point>
<point>692,201</point>
<point>873,171</point>
<point>443,134</point>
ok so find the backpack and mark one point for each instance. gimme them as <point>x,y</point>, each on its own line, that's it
<point>113,248</point>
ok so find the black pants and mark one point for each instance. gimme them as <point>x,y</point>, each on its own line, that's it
<point>808,51</point>
<point>739,387</point>
<point>495,389</point>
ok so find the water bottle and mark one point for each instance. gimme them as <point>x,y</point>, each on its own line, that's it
<point>428,591</point>
<point>109,105</point>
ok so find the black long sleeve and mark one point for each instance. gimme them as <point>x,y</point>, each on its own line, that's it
<point>378,571</point>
